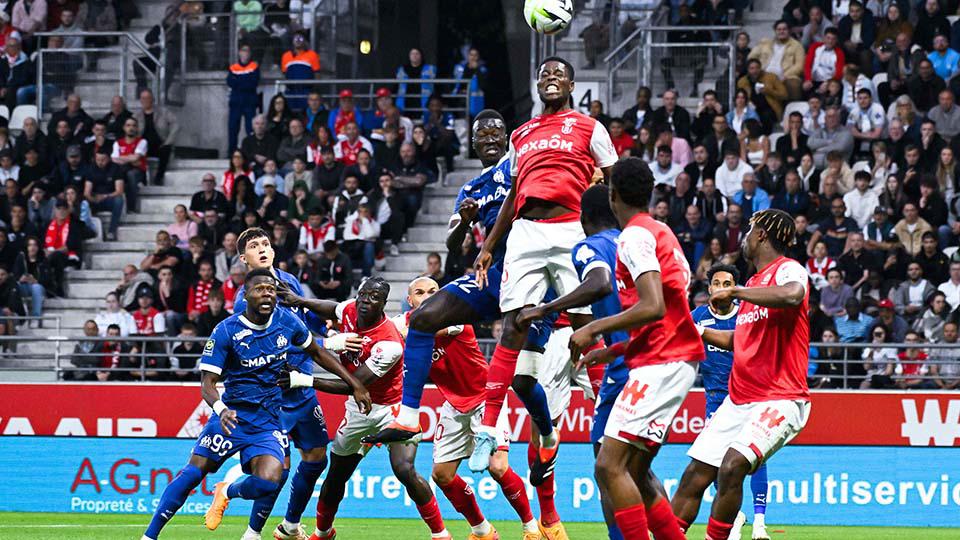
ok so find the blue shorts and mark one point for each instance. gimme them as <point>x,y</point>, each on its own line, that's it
<point>250,440</point>
<point>714,400</point>
<point>486,301</point>
<point>305,425</point>
<point>609,391</point>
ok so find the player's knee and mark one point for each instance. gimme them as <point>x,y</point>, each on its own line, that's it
<point>404,471</point>
<point>498,465</point>
<point>443,475</point>
<point>523,385</point>
<point>605,469</point>
<point>733,469</point>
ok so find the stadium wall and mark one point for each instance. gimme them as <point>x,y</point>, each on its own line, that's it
<point>865,458</point>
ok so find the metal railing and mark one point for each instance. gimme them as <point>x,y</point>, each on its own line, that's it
<point>364,93</point>
<point>58,69</point>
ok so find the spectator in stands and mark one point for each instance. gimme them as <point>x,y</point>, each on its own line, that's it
<point>925,85</point>
<point>232,284</point>
<point>350,144</point>
<point>33,278</point>
<point>315,115</point>
<point>299,64</point>
<point>754,145</point>
<point>60,139</point>
<point>20,228</point>
<point>946,116</point>
<point>243,79</point>
<point>816,25</point>
<point>879,362</point>
<point>708,109</point>
<point>415,70</point>
<point>226,256</point>
<point>105,190</point>
<point>750,197</point>
<point>365,170</point>
<point>170,299</point>
<point>9,170</point>
<point>386,206</point>
<point>79,122</point>
<point>935,265</point>
<point>184,357</point>
<point>116,117</point>
<point>272,206</point>
<point>347,201</point>
<point>133,279</point>
<point>293,146</point>
<point>63,244</point>
<point>930,23</point>
<point>164,254</point>
<point>434,269</point>
<point>731,231</point>
<point>721,141</point>
<point>195,252</point>
<point>951,287</point>
<point>360,234</point>
<point>638,114</point>
<point>40,208</point>
<point>880,165</point>
<point>270,171</point>
<point>673,115</point>
<point>680,147</point>
<point>678,198</point>
<point>159,128</point>
<point>6,29</point>
<point>438,126</point>
<point>730,175</point>
<point>182,229</point>
<point>867,121</point>
<point>798,251</point>
<point>694,232</point>
<point>765,92</point>
<point>17,73</point>
<point>910,229</point>
<point>700,168</point>
<point>712,204</point>
<point>208,198</point>
<point>278,117</point>
<point>944,367</point>
<point>834,230</point>
<point>113,314</point>
<point>86,355</point>
<point>30,17</point>
<point>934,317</point>
<point>891,24</point>
<point>861,201</point>
<point>853,325</point>
<point>856,263</point>
<point>214,314</point>
<point>819,263</point>
<point>73,171</point>
<point>301,203</point>
<point>832,137</point>
<point>834,296</point>
<point>664,170</point>
<point>909,296</point>
<point>793,199</point>
<point>912,367</point>
<point>130,154</point>
<point>346,113</point>
<point>931,143</point>
<point>151,322</point>
<point>943,58</point>
<point>901,66</point>
<point>783,57</point>
<point>858,30</point>
<point>259,146</point>
<point>742,111</point>
<point>793,144</point>
<point>742,51</point>
<point>317,230</point>
<point>213,229</point>
<point>824,61</point>
<point>120,358</point>
<point>410,179</point>
<point>645,147</point>
<point>96,140</point>
<point>236,169</point>
<point>200,289</point>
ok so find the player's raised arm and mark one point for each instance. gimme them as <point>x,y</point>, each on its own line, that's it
<point>500,229</point>
<point>331,364</point>
<point>324,308</point>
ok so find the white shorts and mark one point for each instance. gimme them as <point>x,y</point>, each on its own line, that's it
<point>355,425</point>
<point>756,430</point>
<point>645,408</point>
<point>555,372</point>
<point>455,431</point>
<point>539,257</point>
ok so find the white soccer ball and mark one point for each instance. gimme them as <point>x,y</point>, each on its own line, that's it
<point>548,16</point>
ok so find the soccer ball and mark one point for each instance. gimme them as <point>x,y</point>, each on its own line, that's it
<point>548,16</point>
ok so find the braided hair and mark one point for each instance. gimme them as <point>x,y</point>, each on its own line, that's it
<point>779,225</point>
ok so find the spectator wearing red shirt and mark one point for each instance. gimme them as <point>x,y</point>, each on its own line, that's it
<point>151,322</point>
<point>315,232</point>
<point>63,244</point>
<point>236,169</point>
<point>346,148</point>
<point>130,153</point>
<point>345,113</point>
<point>622,141</point>
<point>912,366</point>
<point>200,290</point>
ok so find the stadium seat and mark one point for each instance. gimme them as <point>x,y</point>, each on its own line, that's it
<point>4,112</point>
<point>953,18</point>
<point>794,106</point>
<point>877,79</point>
<point>773,139</point>
<point>21,113</point>
<point>948,251</point>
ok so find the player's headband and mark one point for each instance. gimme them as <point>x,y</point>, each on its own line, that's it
<point>495,122</point>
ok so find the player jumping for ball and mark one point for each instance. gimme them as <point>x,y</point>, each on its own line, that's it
<point>769,402</point>
<point>380,366</point>
<point>460,372</point>
<point>715,372</point>
<point>247,352</point>
<point>662,353</point>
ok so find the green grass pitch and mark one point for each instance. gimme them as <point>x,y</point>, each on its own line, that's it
<point>122,526</point>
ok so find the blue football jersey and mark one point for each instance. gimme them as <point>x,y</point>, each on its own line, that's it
<point>489,189</point>
<point>600,251</point>
<point>715,369</point>
<point>249,358</point>
<point>301,361</point>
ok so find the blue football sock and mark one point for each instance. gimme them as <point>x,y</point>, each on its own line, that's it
<point>173,498</point>
<point>417,359</point>
<point>614,532</point>
<point>758,484</point>
<point>251,488</point>
<point>263,506</point>
<point>301,487</point>
<point>536,403</point>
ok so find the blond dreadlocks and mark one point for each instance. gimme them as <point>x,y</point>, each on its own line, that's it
<point>779,225</point>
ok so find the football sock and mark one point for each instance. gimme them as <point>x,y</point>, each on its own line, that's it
<point>173,498</point>
<point>718,530</point>
<point>502,367</point>
<point>758,484</point>
<point>262,507</point>
<point>545,493</point>
<point>613,532</point>
<point>683,525</point>
<point>325,514</point>
<point>301,488</point>
<point>461,497</point>
<point>516,493</point>
<point>663,524</point>
<point>535,399</point>
<point>759,520</point>
<point>430,513</point>
<point>633,522</point>
<point>251,488</point>
<point>417,359</point>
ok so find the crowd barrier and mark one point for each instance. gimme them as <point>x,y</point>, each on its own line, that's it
<point>865,458</point>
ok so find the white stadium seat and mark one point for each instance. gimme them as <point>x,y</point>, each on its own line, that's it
<point>21,113</point>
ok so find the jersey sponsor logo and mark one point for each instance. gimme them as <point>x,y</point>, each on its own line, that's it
<point>281,341</point>
<point>930,425</point>
<point>755,315</point>
<point>242,334</point>
<point>498,195</point>
<point>584,254</point>
<point>714,348</point>
<point>438,353</point>
<point>208,347</point>
<point>263,360</point>
<point>772,417</point>
<point>555,142</point>
<point>633,392</point>
<point>568,124</point>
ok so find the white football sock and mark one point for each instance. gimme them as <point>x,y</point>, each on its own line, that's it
<point>531,526</point>
<point>290,527</point>
<point>549,441</point>
<point>759,520</point>
<point>442,534</point>
<point>408,416</point>
<point>481,529</point>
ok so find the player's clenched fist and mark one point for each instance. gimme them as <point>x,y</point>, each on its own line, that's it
<point>468,210</point>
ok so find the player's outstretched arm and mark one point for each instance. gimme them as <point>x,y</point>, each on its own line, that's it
<point>596,285</point>
<point>781,296</point>
<point>331,364</point>
<point>650,308</point>
<point>500,229</point>
<point>324,308</point>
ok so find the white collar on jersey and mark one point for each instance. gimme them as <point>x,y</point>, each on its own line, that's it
<point>733,312</point>
<point>249,324</point>
<point>504,158</point>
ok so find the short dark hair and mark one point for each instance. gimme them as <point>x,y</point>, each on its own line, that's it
<point>928,121</point>
<point>864,91</point>
<point>862,175</point>
<point>929,234</point>
<point>377,282</point>
<point>595,206</point>
<point>754,61</point>
<point>259,272</point>
<point>633,181</point>
<point>728,268</point>
<point>563,61</point>
<point>488,113</point>
<point>778,22</point>
<point>248,235</point>
<point>832,30</point>
<point>664,149</point>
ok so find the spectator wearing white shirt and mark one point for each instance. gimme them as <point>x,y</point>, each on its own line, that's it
<point>861,200</point>
<point>813,117</point>
<point>867,121</point>
<point>824,62</point>
<point>360,234</point>
<point>664,170</point>
<point>115,315</point>
<point>853,82</point>
<point>951,287</point>
<point>730,175</point>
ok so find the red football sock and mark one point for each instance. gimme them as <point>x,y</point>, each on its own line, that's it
<point>516,494</point>
<point>461,497</point>
<point>663,524</point>
<point>502,367</point>
<point>683,525</point>
<point>325,515</point>
<point>533,454</point>
<point>718,530</point>
<point>632,522</point>
<point>548,509</point>
<point>430,513</point>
